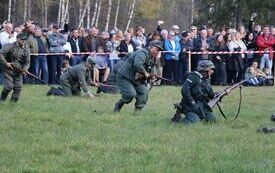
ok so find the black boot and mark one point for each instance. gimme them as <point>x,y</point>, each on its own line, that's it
<point>4,94</point>
<point>118,106</point>
<point>137,111</point>
<point>14,99</point>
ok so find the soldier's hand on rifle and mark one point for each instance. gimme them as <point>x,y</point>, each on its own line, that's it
<point>147,75</point>
<point>90,95</point>
<point>94,84</point>
<point>9,65</point>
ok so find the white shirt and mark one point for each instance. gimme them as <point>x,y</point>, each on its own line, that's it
<point>4,38</point>
<point>130,48</point>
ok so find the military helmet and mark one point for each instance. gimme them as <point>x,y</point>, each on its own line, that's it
<point>205,65</point>
<point>22,36</point>
<point>91,61</point>
<point>157,44</point>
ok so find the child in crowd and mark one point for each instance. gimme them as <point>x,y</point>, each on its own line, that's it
<point>101,65</point>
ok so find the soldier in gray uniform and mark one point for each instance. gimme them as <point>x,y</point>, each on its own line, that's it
<point>129,82</point>
<point>77,77</point>
<point>196,93</point>
<point>14,59</point>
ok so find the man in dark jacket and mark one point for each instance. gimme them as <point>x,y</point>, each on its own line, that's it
<point>196,92</point>
<point>132,75</point>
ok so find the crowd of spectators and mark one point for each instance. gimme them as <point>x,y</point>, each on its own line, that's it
<point>68,47</point>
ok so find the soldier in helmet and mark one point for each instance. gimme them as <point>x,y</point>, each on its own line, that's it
<point>196,92</point>
<point>77,77</point>
<point>131,77</point>
<point>14,59</point>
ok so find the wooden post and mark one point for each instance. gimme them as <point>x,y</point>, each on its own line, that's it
<point>189,60</point>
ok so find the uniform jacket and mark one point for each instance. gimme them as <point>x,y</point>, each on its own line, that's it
<point>196,90</point>
<point>138,62</point>
<point>76,76</point>
<point>13,53</point>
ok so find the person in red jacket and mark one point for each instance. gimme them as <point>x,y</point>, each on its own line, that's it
<point>265,42</point>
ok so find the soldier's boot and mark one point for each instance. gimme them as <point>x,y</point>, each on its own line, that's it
<point>137,111</point>
<point>4,94</point>
<point>118,106</point>
<point>15,95</point>
<point>176,118</point>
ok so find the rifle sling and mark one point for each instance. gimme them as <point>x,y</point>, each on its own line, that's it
<point>239,108</point>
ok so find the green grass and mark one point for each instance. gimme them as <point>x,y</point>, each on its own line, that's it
<point>74,135</point>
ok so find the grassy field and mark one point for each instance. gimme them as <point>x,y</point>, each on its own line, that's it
<point>74,135</point>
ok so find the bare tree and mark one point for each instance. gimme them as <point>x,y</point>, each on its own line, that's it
<point>45,13</point>
<point>29,9</point>
<point>65,13</point>
<point>131,15</point>
<point>108,15</point>
<point>9,12</point>
<point>88,14</point>
<point>25,10</point>
<point>83,14</point>
<point>98,13</point>
<point>116,15</point>
<point>59,12</point>
<point>95,12</point>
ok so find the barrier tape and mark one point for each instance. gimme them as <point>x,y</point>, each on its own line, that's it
<point>193,53</point>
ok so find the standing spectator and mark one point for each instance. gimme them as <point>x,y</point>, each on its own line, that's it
<point>139,39</point>
<point>39,44</point>
<point>76,45</point>
<point>220,60</point>
<point>126,46</point>
<point>56,45</point>
<point>194,31</point>
<point>251,45</point>
<point>8,36</point>
<point>172,58</point>
<point>236,63</point>
<point>92,41</point>
<point>265,42</point>
<point>186,45</point>
<point>242,32</point>
<point>176,30</point>
<point>201,44</point>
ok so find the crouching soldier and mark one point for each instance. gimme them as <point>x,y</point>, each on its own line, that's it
<point>77,78</point>
<point>196,93</point>
<point>131,76</point>
<point>14,59</point>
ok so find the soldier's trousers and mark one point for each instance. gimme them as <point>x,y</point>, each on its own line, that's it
<point>11,81</point>
<point>203,114</point>
<point>130,91</point>
<point>68,89</point>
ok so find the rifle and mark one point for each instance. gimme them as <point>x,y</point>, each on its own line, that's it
<point>140,75</point>
<point>28,73</point>
<point>102,84</point>
<point>218,97</point>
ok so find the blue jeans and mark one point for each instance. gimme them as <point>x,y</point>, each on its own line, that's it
<point>40,63</point>
<point>266,62</point>
<point>76,60</point>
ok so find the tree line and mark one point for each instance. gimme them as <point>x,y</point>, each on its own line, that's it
<point>109,14</point>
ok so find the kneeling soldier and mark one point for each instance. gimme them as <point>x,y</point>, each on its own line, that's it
<point>77,77</point>
<point>196,92</point>
<point>14,59</point>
